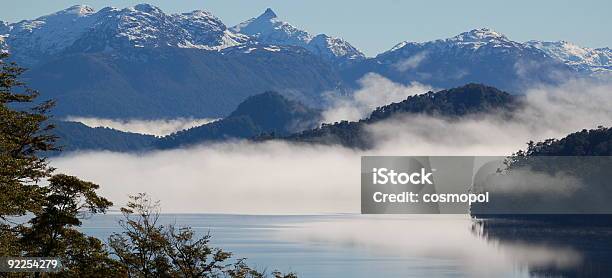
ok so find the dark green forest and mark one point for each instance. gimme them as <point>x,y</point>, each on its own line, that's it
<point>593,142</point>
<point>471,99</point>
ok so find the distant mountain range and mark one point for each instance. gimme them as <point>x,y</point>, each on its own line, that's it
<point>139,62</point>
<point>81,29</point>
<point>483,56</point>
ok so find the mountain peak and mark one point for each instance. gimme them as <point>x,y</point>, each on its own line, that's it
<point>480,35</point>
<point>77,10</point>
<point>269,29</point>
<point>147,8</point>
<point>472,39</point>
<point>199,13</point>
<point>268,14</point>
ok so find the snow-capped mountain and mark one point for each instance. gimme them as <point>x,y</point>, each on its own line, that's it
<point>480,55</point>
<point>139,62</point>
<point>204,30</point>
<point>47,35</point>
<point>3,45</point>
<point>476,40</point>
<point>4,29</point>
<point>269,29</point>
<point>147,26</point>
<point>582,58</point>
<point>80,28</point>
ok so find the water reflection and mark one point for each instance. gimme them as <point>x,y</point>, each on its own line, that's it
<point>352,245</point>
<point>582,243</point>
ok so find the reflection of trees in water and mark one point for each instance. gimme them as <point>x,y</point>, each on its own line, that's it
<point>588,236</point>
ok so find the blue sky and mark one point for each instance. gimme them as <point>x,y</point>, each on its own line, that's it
<point>376,26</point>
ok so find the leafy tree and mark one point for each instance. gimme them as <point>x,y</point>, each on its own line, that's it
<point>52,231</point>
<point>23,133</point>
<point>148,249</point>
<point>140,247</point>
<point>65,199</point>
<point>57,206</point>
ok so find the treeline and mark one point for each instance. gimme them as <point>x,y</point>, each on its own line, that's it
<point>593,142</point>
<point>584,154</point>
<point>456,102</point>
<point>73,136</point>
<point>564,176</point>
<point>470,99</point>
<point>55,204</point>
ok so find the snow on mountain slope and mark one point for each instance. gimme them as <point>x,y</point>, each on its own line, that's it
<point>49,34</point>
<point>582,58</point>
<point>484,39</point>
<point>480,56</point>
<point>4,28</point>
<point>471,41</point>
<point>80,28</point>
<point>145,25</point>
<point>204,30</point>
<point>269,29</point>
<point>333,48</point>
<point>3,46</point>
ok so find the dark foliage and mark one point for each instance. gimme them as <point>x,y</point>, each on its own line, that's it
<point>594,142</point>
<point>77,136</point>
<point>456,102</point>
<point>24,133</point>
<point>470,99</point>
<point>574,170</point>
<point>149,249</point>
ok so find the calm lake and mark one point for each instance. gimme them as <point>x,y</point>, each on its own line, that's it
<point>350,245</point>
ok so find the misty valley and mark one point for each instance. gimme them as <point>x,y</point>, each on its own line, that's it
<point>140,142</point>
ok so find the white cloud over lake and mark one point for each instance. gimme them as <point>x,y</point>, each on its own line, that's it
<point>285,178</point>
